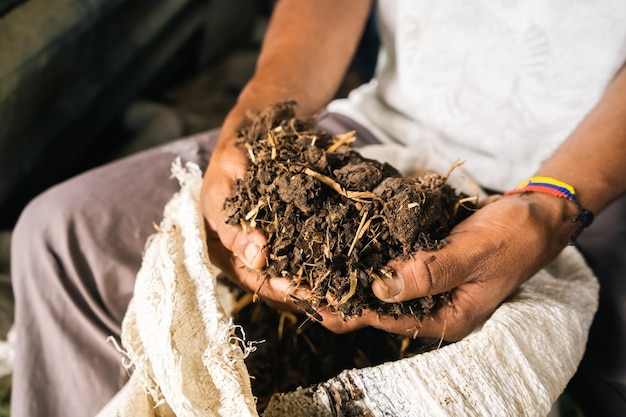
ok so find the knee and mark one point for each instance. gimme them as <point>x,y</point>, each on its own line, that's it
<point>40,235</point>
<point>38,218</point>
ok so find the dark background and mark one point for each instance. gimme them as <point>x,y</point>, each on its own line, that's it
<point>83,82</point>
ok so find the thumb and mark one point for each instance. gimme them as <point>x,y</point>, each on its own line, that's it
<point>245,242</point>
<point>226,165</point>
<point>427,273</point>
<point>248,244</point>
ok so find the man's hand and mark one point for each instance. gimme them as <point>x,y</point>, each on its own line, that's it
<point>229,163</point>
<point>238,252</point>
<point>485,259</point>
<point>292,65</point>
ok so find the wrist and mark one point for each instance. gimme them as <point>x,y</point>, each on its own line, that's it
<point>561,192</point>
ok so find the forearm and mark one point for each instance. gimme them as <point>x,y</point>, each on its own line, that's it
<point>305,54</point>
<point>306,51</point>
<point>593,158</point>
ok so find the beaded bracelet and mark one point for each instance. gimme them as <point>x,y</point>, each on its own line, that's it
<point>552,186</point>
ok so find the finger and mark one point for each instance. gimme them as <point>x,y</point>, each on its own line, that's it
<point>463,258</point>
<point>246,243</point>
<point>335,324</point>
<point>452,322</point>
<point>432,326</point>
<point>424,274</point>
<point>231,266</point>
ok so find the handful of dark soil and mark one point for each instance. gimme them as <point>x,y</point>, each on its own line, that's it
<point>333,218</point>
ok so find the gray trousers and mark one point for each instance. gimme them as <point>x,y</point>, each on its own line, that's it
<point>77,248</point>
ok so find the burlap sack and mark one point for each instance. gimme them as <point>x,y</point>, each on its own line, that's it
<point>180,341</point>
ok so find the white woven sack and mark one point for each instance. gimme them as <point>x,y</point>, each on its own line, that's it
<point>179,340</point>
<point>175,332</point>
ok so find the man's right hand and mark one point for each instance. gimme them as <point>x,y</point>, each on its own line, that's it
<point>239,252</point>
<point>292,65</point>
<point>229,163</point>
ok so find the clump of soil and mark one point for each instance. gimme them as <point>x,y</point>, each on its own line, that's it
<point>333,218</point>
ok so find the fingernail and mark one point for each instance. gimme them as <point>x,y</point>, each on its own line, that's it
<point>392,286</point>
<point>250,253</point>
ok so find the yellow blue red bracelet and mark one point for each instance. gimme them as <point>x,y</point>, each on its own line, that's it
<point>552,186</point>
